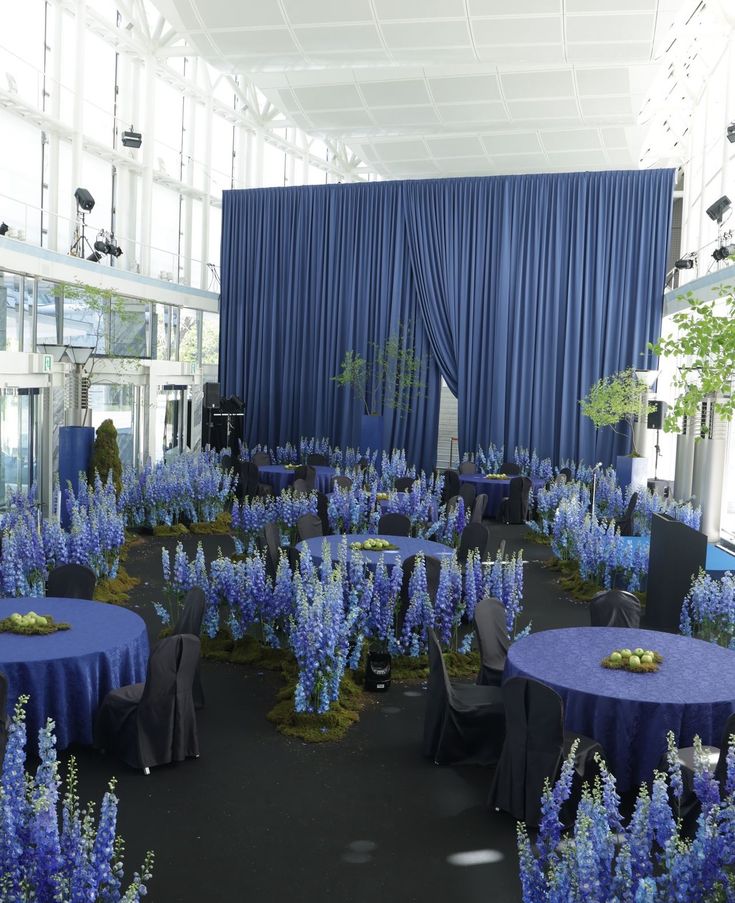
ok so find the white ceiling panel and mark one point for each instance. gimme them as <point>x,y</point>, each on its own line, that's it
<point>420,88</point>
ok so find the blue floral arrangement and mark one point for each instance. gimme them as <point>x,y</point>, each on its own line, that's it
<point>708,611</point>
<point>646,860</point>
<point>49,855</point>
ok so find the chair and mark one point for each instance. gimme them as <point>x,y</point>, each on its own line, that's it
<point>467,467</point>
<point>463,722</point>
<point>322,509</point>
<point>3,714</point>
<point>308,526</point>
<point>341,483</point>
<point>154,723</point>
<point>225,462</point>
<point>306,473</point>
<point>71,581</point>
<point>478,508</point>
<point>567,473</point>
<point>317,460</point>
<point>510,469</point>
<point>273,548</point>
<point>252,481</point>
<point>190,622</point>
<point>451,504</point>
<point>301,487</point>
<point>615,608</point>
<point>261,459</point>
<point>451,485</point>
<point>492,640</point>
<point>394,525</point>
<point>468,494</point>
<point>474,536</point>
<point>363,464</point>
<point>514,507</point>
<point>404,484</point>
<point>625,523</point>
<point>535,746</point>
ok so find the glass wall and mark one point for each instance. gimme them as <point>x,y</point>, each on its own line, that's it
<point>18,441</point>
<point>11,317</point>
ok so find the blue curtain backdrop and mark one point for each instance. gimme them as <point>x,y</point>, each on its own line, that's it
<point>527,289</point>
<point>308,274</point>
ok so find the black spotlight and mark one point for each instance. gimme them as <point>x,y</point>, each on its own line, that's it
<point>3,228</point>
<point>685,263</point>
<point>718,209</point>
<point>724,252</point>
<point>731,133</point>
<point>84,199</point>
<point>100,246</point>
<point>95,256</point>
<point>131,138</point>
<point>378,672</point>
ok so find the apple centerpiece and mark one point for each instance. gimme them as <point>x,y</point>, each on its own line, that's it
<point>382,496</point>
<point>639,661</point>
<point>374,545</point>
<point>496,476</point>
<point>31,624</point>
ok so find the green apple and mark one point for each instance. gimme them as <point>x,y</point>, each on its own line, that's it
<point>634,661</point>
<point>646,659</point>
<point>41,621</point>
<point>625,652</point>
<point>650,652</point>
<point>15,617</point>
<point>616,657</point>
<point>638,651</point>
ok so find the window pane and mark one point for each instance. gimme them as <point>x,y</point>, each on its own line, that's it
<point>86,316</point>
<point>11,286</point>
<point>210,338</point>
<point>49,313</point>
<point>189,336</point>
<point>129,328</point>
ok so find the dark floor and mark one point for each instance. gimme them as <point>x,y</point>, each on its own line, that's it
<point>259,817</point>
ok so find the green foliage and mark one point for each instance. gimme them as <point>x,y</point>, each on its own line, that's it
<point>615,399</point>
<point>391,378</point>
<point>106,455</point>
<point>705,345</point>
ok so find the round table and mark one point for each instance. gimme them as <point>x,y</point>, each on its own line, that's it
<point>693,692</point>
<point>280,477</point>
<point>407,545</point>
<point>495,490</point>
<point>68,673</point>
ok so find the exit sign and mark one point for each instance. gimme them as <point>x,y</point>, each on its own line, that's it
<point>48,363</point>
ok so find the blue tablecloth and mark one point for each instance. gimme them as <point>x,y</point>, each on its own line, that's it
<point>629,714</point>
<point>280,477</point>
<point>495,490</point>
<point>68,673</point>
<point>407,545</point>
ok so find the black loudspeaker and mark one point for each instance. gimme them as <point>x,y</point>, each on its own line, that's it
<point>378,672</point>
<point>84,199</point>
<point>656,418</point>
<point>211,395</point>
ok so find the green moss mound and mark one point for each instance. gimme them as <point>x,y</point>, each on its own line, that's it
<point>331,726</point>
<point>461,666</point>
<point>106,455</point>
<point>117,591</point>
<point>222,524</point>
<point>541,538</point>
<point>170,530</point>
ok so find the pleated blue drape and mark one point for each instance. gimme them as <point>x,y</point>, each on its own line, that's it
<point>526,290</point>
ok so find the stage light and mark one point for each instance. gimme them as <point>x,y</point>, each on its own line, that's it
<point>84,199</point>
<point>718,209</point>
<point>3,228</point>
<point>723,252</point>
<point>686,262</point>
<point>731,133</point>
<point>131,138</point>
<point>95,257</point>
<point>100,246</point>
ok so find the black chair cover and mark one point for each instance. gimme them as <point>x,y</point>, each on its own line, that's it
<point>71,581</point>
<point>254,486</point>
<point>3,715</point>
<point>154,723</point>
<point>463,722</point>
<point>308,526</point>
<point>226,461</point>
<point>510,468</point>
<point>492,640</point>
<point>301,487</point>
<point>451,504</point>
<point>467,467</point>
<point>341,483</point>
<point>514,507</point>
<point>615,608</point>
<point>451,485</point>
<point>474,536</point>
<point>534,749</point>
<point>625,523</point>
<point>190,622</point>
<point>467,494</point>
<point>478,508</point>
<point>317,460</point>
<point>394,525</point>
<point>322,509</point>
<point>566,472</point>
<point>261,459</point>
<point>404,484</point>
<point>273,548</point>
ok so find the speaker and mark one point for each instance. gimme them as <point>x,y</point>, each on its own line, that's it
<point>84,199</point>
<point>378,672</point>
<point>656,417</point>
<point>211,395</point>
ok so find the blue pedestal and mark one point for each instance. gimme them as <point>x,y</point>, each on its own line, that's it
<point>371,433</point>
<point>75,450</point>
<point>631,471</point>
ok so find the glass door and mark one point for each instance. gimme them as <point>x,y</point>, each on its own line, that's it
<point>18,441</point>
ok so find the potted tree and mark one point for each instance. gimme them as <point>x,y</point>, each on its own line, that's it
<point>613,401</point>
<point>390,377</point>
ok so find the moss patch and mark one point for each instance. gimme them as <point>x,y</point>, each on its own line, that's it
<point>541,538</point>
<point>117,591</point>
<point>331,726</point>
<point>408,668</point>
<point>221,524</point>
<point>170,530</point>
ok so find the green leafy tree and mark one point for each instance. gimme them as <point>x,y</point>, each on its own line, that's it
<point>705,346</point>
<point>106,455</point>
<point>392,376</point>
<point>614,400</point>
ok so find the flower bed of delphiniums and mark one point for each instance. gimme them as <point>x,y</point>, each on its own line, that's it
<point>309,611</point>
<point>50,847</point>
<point>708,611</point>
<point>603,858</point>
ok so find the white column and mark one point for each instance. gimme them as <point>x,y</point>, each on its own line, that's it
<point>258,165</point>
<point>206,187</point>
<point>53,140</point>
<point>148,97</point>
<point>78,111</point>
